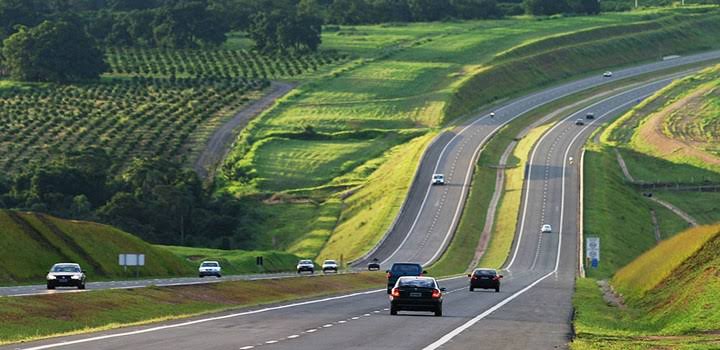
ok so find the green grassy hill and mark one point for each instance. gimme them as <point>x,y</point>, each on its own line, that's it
<point>34,242</point>
<point>237,261</point>
<point>403,82</point>
<point>671,299</point>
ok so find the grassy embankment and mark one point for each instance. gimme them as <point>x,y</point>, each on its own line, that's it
<point>462,248</point>
<point>403,88</point>
<point>671,298</point>
<point>34,242</point>
<point>44,316</point>
<point>671,291</point>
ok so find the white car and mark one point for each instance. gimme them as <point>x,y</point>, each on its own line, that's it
<point>66,275</point>
<point>329,265</point>
<point>438,179</point>
<point>607,74</point>
<point>305,265</point>
<point>210,268</point>
<point>546,228</point>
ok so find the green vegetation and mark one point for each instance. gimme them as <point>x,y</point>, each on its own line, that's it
<point>671,295</point>
<point>225,63</point>
<point>38,317</point>
<point>702,206</point>
<point>34,242</point>
<point>235,262</point>
<point>403,85</point>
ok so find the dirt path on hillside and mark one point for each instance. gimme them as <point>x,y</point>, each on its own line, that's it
<point>219,143</point>
<point>685,216</point>
<point>623,166</point>
<point>652,132</point>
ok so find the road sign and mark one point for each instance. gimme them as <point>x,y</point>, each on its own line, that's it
<point>592,248</point>
<point>131,259</point>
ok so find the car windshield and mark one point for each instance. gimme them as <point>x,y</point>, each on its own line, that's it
<point>209,264</point>
<point>65,268</point>
<point>485,273</point>
<point>406,269</point>
<point>419,283</point>
<point>305,262</point>
<point>330,261</point>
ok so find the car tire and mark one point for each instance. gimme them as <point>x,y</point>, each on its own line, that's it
<point>472,289</point>
<point>201,276</point>
<point>81,286</point>
<point>50,286</point>
<point>389,290</point>
<point>438,311</point>
<point>497,289</point>
<point>393,311</point>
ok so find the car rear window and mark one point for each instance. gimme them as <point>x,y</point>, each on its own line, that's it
<point>485,273</point>
<point>209,264</point>
<point>66,268</point>
<point>408,269</point>
<point>305,262</point>
<point>419,283</point>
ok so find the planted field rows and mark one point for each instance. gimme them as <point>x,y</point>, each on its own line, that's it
<point>214,63</point>
<point>128,118</point>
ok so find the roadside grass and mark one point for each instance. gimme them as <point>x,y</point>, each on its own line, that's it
<point>401,81</point>
<point>36,317</point>
<point>702,206</point>
<point>235,262</point>
<point>650,169</point>
<point>28,252</point>
<point>671,295</point>
<point>653,267</point>
<point>615,212</point>
<point>370,209</point>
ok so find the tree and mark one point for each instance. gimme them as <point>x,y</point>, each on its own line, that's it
<point>53,51</point>
<point>17,12</point>
<point>545,7</point>
<point>429,10</point>
<point>590,7</point>
<point>285,29</point>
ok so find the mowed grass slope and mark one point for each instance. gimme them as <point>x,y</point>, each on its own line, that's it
<point>34,242</point>
<point>400,84</point>
<point>235,262</point>
<point>671,299</point>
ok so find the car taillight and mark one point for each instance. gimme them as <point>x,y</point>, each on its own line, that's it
<point>436,294</point>
<point>395,292</point>
<point>389,274</point>
<point>496,278</point>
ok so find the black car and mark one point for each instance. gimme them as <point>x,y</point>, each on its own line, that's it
<point>66,275</point>
<point>416,294</point>
<point>485,279</point>
<point>402,269</point>
<point>579,122</point>
<point>374,265</point>
<point>590,116</point>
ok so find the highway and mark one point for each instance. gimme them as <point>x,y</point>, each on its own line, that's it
<point>532,311</point>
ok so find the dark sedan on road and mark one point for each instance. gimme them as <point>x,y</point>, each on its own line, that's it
<point>416,294</point>
<point>66,275</point>
<point>485,279</point>
<point>402,269</point>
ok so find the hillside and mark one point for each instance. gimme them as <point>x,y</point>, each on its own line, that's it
<point>34,242</point>
<point>671,298</point>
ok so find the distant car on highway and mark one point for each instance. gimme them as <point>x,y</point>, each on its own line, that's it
<point>374,265</point>
<point>546,228</point>
<point>579,122</point>
<point>305,266</point>
<point>590,115</point>
<point>413,293</point>
<point>607,74</point>
<point>329,265</point>
<point>66,275</point>
<point>485,279</point>
<point>210,268</point>
<point>438,179</point>
<point>398,270</point>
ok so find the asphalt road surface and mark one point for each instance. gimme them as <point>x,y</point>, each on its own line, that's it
<point>532,310</point>
<point>428,218</point>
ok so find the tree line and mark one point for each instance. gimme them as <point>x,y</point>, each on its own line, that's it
<point>160,201</point>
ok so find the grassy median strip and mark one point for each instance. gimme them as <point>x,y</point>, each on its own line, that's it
<point>35,317</point>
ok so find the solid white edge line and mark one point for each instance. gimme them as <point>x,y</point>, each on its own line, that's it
<point>204,320</point>
<point>455,332</point>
